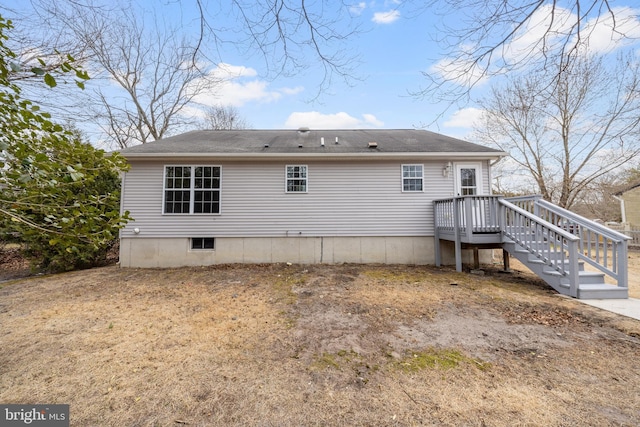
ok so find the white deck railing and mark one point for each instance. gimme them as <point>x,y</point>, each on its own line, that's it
<point>557,237</point>
<point>602,248</point>
<point>550,244</point>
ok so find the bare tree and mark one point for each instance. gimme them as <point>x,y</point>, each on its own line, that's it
<point>294,35</point>
<point>223,118</point>
<point>597,200</point>
<point>567,127</point>
<point>149,75</point>
<point>486,38</point>
<point>158,70</point>
<point>495,37</point>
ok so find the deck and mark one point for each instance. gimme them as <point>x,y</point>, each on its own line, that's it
<point>553,242</point>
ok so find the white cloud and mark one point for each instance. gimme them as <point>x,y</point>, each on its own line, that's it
<point>386,17</point>
<point>465,118</point>
<point>606,35</point>
<point>342,120</point>
<point>237,85</point>
<point>463,72</point>
<point>357,9</point>
<point>546,29</point>
<point>372,120</point>
<point>601,34</point>
<point>548,23</point>
<point>228,71</point>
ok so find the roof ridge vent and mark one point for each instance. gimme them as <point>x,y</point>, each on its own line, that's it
<point>303,130</point>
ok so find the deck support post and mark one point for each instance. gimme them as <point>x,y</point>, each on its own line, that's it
<point>476,258</point>
<point>506,261</point>
<point>456,228</point>
<point>436,237</point>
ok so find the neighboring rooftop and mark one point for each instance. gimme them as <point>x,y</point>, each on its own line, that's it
<point>305,141</point>
<point>627,188</point>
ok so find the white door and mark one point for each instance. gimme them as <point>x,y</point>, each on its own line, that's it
<point>468,179</point>
<point>469,183</point>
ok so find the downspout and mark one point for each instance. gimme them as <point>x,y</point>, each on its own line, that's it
<point>622,210</point>
<point>491,164</point>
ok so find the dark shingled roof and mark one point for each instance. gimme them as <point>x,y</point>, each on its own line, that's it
<point>304,141</point>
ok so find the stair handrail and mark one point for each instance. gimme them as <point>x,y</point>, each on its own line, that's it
<point>538,220</point>
<point>583,221</point>
<point>546,242</point>
<point>593,237</point>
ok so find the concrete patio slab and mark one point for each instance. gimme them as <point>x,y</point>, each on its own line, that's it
<point>629,307</point>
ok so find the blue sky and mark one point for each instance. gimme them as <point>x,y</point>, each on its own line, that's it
<point>394,50</point>
<point>394,47</point>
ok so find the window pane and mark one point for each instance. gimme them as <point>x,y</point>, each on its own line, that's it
<point>412,177</point>
<point>296,179</point>
<point>469,191</point>
<point>202,243</point>
<point>412,185</point>
<point>296,185</point>
<point>468,177</point>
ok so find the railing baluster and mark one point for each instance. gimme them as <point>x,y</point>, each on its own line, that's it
<point>537,225</point>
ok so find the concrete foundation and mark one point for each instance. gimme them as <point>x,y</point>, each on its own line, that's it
<point>176,252</point>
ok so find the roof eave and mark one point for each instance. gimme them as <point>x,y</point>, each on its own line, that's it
<point>318,156</point>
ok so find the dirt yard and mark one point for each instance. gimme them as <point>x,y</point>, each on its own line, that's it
<point>280,345</point>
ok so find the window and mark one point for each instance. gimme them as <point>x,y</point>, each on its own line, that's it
<point>206,190</point>
<point>296,179</point>
<point>192,190</point>
<point>202,243</point>
<point>468,186</point>
<point>412,177</point>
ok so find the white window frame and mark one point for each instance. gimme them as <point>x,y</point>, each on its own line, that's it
<point>192,190</point>
<point>191,240</point>
<point>477,166</point>
<point>403,178</point>
<point>287,179</point>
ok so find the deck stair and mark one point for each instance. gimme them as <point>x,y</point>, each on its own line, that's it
<point>591,284</point>
<point>572,254</point>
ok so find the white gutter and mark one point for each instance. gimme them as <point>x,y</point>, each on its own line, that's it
<point>333,156</point>
<point>491,164</point>
<point>622,210</point>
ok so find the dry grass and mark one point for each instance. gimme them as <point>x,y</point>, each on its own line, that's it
<point>314,345</point>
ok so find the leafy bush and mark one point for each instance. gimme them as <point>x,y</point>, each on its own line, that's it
<point>59,194</point>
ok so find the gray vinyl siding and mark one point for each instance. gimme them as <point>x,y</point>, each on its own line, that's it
<point>342,199</point>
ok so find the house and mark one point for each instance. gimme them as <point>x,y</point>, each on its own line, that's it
<point>360,196</point>
<point>300,196</point>
<point>630,204</point>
